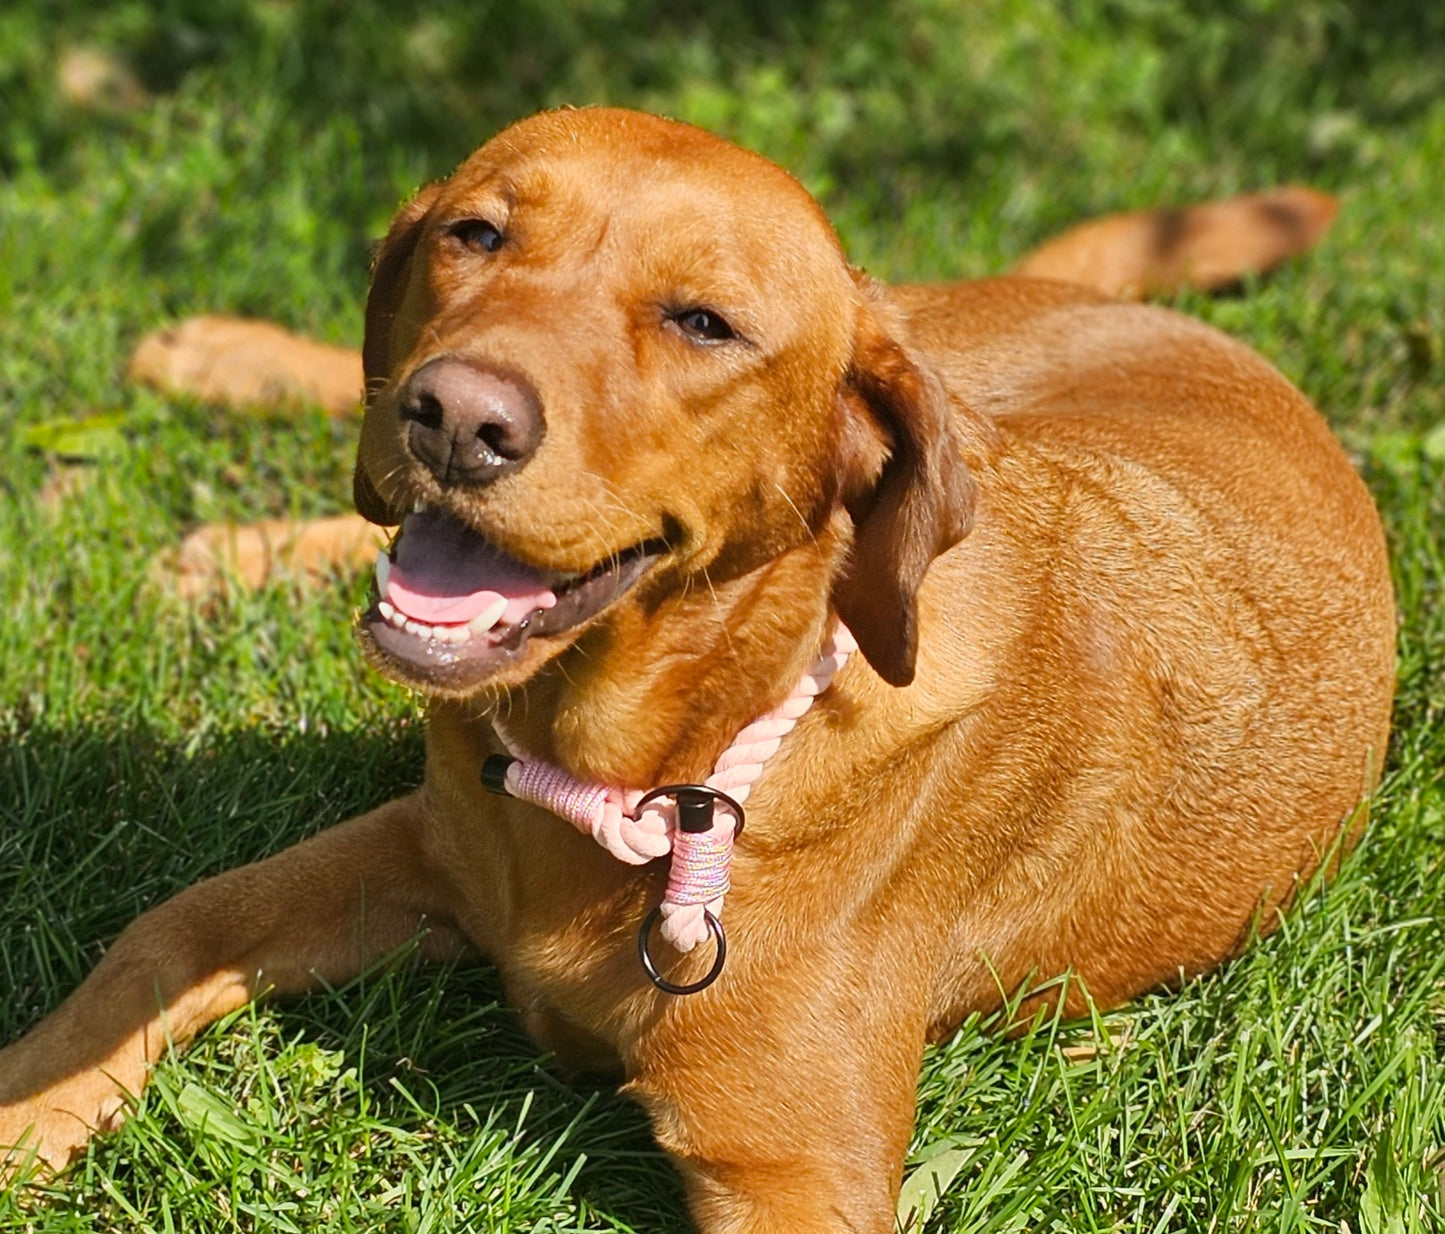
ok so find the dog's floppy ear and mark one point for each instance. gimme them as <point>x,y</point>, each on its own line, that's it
<point>389,273</point>
<point>918,506</point>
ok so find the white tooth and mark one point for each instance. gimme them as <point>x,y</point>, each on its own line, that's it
<point>488,617</point>
<point>383,571</point>
<point>454,634</point>
<point>418,506</point>
<point>414,627</point>
<point>398,619</point>
<point>386,610</point>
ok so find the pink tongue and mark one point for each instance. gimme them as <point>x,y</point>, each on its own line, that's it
<point>445,574</point>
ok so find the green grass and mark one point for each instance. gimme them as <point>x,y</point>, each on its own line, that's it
<point>141,747</point>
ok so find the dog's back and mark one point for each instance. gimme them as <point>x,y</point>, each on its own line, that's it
<point>1195,665</point>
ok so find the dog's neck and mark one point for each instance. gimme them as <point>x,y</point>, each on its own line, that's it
<point>654,694</point>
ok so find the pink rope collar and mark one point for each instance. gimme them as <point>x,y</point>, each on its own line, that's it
<point>699,876</point>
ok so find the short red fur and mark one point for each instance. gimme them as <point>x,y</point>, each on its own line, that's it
<point>1127,636</point>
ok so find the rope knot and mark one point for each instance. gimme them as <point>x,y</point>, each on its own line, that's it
<point>637,827</point>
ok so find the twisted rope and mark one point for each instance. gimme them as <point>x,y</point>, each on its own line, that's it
<point>698,878</point>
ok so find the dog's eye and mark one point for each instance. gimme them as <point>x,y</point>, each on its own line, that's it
<point>477,234</point>
<point>703,325</point>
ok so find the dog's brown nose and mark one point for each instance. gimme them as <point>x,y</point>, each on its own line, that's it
<point>469,425</point>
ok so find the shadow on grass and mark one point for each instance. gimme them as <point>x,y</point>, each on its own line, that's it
<point>871,91</point>
<point>96,825</point>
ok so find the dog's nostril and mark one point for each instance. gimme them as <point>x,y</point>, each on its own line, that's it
<point>503,440</point>
<point>425,409</point>
<point>469,425</point>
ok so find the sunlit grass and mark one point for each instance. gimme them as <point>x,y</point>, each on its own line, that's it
<point>143,746</point>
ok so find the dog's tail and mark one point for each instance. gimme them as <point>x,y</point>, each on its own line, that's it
<point>1210,246</point>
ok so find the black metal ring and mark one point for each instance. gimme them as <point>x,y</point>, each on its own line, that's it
<point>671,790</point>
<point>671,987</point>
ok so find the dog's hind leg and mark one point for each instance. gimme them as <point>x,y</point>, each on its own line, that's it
<point>1209,246</point>
<point>318,912</point>
<point>250,365</point>
<point>220,556</point>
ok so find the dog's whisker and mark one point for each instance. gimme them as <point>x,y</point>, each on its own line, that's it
<point>784,494</point>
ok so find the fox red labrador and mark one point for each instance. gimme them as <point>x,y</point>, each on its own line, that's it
<point>660,459</point>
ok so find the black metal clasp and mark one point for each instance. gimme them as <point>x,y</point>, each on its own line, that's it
<point>694,806</point>
<point>494,773</point>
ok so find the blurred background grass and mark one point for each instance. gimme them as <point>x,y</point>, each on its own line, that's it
<point>243,155</point>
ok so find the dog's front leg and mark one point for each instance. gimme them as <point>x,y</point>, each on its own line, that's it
<point>786,1126</point>
<point>320,911</point>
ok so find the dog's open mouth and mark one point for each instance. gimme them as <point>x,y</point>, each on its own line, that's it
<point>457,608</point>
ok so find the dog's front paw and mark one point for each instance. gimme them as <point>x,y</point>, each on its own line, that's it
<point>220,556</point>
<point>41,1135</point>
<point>57,1090</point>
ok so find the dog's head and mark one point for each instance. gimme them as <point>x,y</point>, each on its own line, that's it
<point>613,357</point>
